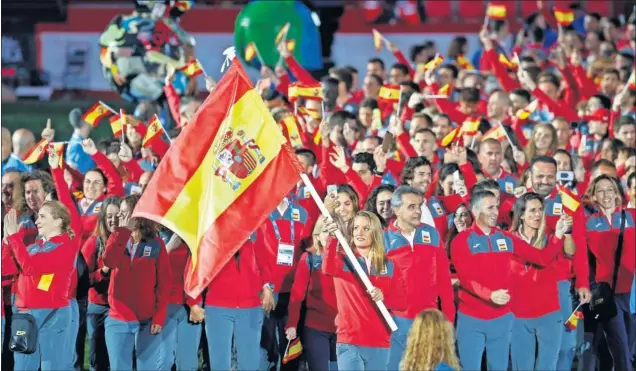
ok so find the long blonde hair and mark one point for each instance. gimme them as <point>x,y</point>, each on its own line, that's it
<point>531,148</point>
<point>59,211</point>
<point>376,251</point>
<point>431,341</point>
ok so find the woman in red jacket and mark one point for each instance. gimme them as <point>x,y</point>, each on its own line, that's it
<point>99,276</point>
<point>535,321</point>
<point>46,267</point>
<point>233,307</point>
<point>138,292</point>
<point>603,229</point>
<point>319,332</point>
<point>182,331</point>
<point>363,338</point>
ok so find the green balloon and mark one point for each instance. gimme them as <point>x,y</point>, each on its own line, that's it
<point>261,21</point>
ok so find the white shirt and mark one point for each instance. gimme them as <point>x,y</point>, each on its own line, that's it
<point>427,217</point>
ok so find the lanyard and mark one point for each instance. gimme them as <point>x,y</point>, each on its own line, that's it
<point>277,231</point>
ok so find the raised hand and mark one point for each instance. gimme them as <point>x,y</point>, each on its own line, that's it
<point>89,147</point>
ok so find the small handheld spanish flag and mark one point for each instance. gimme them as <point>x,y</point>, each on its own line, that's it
<point>282,34</point>
<point>250,52</point>
<point>496,133</point>
<point>445,90</point>
<point>377,39</point>
<point>36,153</point>
<point>116,125</point>
<point>434,63</point>
<point>453,136</point>
<point>314,114</point>
<point>564,17</point>
<point>464,63</point>
<point>512,64</point>
<point>294,350</point>
<point>291,45</point>
<point>389,93</point>
<point>192,68</point>
<point>95,114</point>
<point>525,113</point>
<point>307,91</point>
<point>496,11</point>
<point>155,130</point>
<point>573,319</point>
<point>570,202</point>
<point>58,147</point>
<point>292,131</point>
<point>471,126</point>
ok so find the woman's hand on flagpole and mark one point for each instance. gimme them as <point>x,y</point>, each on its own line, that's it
<point>290,333</point>
<point>376,294</point>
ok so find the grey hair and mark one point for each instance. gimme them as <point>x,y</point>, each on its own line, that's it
<point>396,198</point>
<point>477,197</point>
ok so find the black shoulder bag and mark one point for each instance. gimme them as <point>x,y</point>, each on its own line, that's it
<point>24,332</point>
<point>602,306</point>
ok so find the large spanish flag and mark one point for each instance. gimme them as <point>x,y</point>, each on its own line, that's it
<point>221,178</point>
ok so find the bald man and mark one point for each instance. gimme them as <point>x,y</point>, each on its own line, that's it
<point>10,160</point>
<point>23,141</point>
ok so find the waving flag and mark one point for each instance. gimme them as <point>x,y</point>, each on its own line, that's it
<point>471,126</point>
<point>192,68</point>
<point>434,63</point>
<point>497,133</point>
<point>282,34</point>
<point>36,153</point>
<point>116,126</point>
<point>511,64</point>
<point>307,91</point>
<point>453,136</point>
<point>291,129</point>
<point>525,113</point>
<point>377,40</point>
<point>95,114</point>
<point>389,93</point>
<point>59,147</point>
<point>294,350</point>
<point>445,90</point>
<point>215,173</point>
<point>250,52</point>
<point>564,17</point>
<point>573,319</point>
<point>496,11</point>
<point>155,130</point>
<point>570,202</point>
<point>464,63</point>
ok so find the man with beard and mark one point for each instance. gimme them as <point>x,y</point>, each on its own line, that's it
<point>543,178</point>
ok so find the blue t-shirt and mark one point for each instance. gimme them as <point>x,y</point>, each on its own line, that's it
<point>76,157</point>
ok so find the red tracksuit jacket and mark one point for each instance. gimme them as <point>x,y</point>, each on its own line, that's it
<point>577,266</point>
<point>178,260</point>
<point>483,264</point>
<point>240,281</point>
<point>47,267</point>
<point>358,321</point>
<point>602,239</point>
<point>425,267</point>
<point>283,273</point>
<point>114,187</point>
<point>93,253</point>
<point>528,278</point>
<point>139,286</point>
<point>311,283</point>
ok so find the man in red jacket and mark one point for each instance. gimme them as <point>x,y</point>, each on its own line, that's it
<point>482,255</point>
<point>543,177</point>
<point>419,251</point>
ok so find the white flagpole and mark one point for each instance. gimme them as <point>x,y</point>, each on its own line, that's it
<point>111,109</point>
<point>347,249</point>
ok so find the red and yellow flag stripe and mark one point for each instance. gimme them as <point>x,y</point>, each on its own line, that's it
<point>155,130</point>
<point>496,11</point>
<point>564,17</point>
